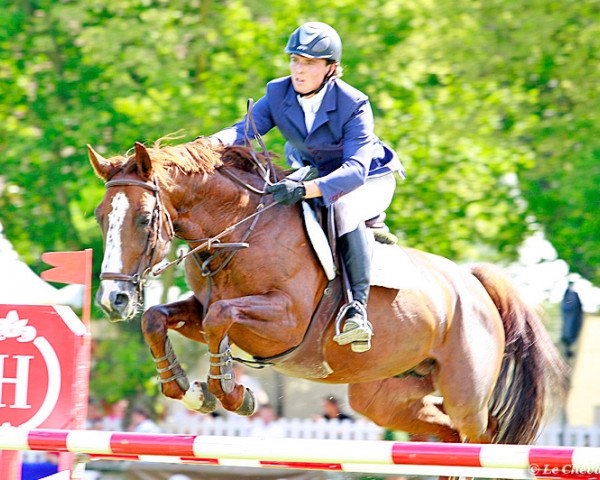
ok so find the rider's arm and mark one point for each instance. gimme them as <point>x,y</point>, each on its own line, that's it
<point>234,135</point>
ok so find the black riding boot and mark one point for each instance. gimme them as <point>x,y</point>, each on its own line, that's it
<point>356,255</point>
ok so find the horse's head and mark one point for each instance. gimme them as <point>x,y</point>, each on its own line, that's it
<point>136,228</point>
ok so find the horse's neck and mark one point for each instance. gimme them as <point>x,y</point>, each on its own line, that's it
<point>208,204</point>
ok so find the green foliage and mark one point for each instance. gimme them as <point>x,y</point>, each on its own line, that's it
<point>531,96</point>
<point>122,366</point>
<point>466,94</point>
<point>493,108</point>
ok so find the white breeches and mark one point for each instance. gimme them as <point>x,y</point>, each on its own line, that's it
<point>364,203</point>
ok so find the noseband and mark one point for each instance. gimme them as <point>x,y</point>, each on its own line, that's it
<point>157,224</point>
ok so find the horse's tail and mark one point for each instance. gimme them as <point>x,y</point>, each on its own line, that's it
<point>532,372</point>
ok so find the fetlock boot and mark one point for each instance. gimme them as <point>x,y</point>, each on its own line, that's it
<point>356,255</point>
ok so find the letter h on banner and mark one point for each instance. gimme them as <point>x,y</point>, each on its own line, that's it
<point>21,381</point>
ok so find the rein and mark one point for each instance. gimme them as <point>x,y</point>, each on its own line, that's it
<point>250,123</point>
<point>139,277</point>
<point>214,242</point>
<point>156,226</point>
<point>264,173</point>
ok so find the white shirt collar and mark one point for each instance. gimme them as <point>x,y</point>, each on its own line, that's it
<point>312,103</point>
<point>311,106</point>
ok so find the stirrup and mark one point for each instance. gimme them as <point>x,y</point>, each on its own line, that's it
<point>357,333</point>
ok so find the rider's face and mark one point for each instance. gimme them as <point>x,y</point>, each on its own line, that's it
<point>308,73</point>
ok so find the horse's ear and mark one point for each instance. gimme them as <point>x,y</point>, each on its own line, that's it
<point>143,161</point>
<point>102,167</point>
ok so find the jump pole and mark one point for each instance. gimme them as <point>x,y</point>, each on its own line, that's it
<point>504,461</point>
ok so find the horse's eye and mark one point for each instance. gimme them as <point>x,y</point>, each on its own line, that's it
<point>144,221</point>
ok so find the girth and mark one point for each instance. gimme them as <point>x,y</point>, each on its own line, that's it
<point>306,359</point>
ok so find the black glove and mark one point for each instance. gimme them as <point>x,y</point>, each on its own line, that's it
<point>287,191</point>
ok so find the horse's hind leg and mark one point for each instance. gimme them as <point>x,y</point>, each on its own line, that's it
<point>186,318</point>
<point>403,404</point>
<point>466,382</point>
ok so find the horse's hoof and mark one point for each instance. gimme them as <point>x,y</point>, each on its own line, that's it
<point>199,399</point>
<point>248,406</point>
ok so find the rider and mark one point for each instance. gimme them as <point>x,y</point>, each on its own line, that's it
<point>329,125</point>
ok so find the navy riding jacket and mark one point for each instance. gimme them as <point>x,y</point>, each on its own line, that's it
<point>341,143</point>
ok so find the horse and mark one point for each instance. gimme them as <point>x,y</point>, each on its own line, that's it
<point>459,355</point>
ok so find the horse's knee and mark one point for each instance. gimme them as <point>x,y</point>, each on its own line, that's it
<point>377,409</point>
<point>218,316</point>
<point>154,326</point>
<point>360,399</point>
<point>358,405</point>
<point>397,391</point>
<point>154,320</point>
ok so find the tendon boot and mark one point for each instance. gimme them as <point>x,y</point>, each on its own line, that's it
<point>356,255</point>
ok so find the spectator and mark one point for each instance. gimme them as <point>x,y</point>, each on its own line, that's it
<point>572,314</point>
<point>115,419</point>
<point>40,470</point>
<point>252,383</point>
<point>331,410</point>
<point>141,422</point>
<point>265,424</point>
<point>94,419</point>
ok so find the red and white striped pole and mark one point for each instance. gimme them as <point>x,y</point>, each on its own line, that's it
<point>507,461</point>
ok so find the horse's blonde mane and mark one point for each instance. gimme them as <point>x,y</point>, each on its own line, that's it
<point>199,156</point>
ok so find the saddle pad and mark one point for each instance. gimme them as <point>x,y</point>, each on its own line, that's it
<point>319,241</point>
<point>391,266</point>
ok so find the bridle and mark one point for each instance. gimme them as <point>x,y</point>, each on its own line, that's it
<point>160,213</point>
<point>160,221</point>
<point>215,242</point>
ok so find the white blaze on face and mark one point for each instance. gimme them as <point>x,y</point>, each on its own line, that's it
<point>113,248</point>
<point>113,245</point>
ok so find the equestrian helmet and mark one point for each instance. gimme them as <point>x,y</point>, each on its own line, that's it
<point>315,40</point>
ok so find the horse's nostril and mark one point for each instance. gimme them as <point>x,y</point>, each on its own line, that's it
<point>121,300</point>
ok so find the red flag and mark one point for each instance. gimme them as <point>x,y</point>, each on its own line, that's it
<point>69,267</point>
<point>72,267</point>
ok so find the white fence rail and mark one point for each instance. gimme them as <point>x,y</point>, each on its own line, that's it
<point>553,434</point>
<point>283,428</point>
<point>569,436</point>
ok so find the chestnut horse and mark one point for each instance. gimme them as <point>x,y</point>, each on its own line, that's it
<point>460,334</point>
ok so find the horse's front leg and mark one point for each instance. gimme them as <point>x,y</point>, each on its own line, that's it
<point>185,317</point>
<point>267,319</point>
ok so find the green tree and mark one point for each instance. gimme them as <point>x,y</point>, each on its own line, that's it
<point>527,80</point>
